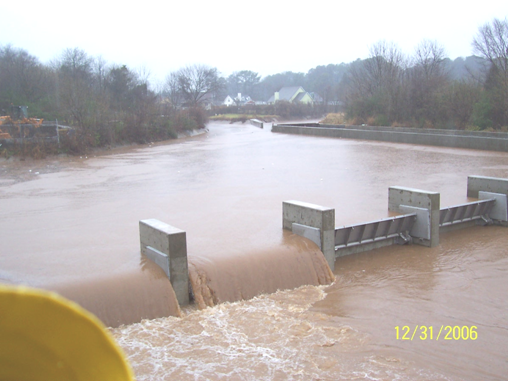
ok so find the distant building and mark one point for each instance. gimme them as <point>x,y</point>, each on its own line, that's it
<point>239,100</point>
<point>229,101</point>
<point>316,98</point>
<point>294,94</point>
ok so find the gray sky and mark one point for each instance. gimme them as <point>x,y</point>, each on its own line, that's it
<point>267,37</point>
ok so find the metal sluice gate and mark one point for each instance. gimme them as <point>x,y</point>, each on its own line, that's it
<point>400,227</point>
<point>420,219</point>
<point>466,212</point>
<point>392,227</point>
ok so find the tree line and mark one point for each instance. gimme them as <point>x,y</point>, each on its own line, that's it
<point>109,103</point>
<point>424,89</point>
<point>390,88</point>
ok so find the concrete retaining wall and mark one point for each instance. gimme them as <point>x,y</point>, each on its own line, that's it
<point>490,141</point>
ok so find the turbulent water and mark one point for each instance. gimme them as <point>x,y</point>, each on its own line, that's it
<point>71,225</point>
<point>347,331</point>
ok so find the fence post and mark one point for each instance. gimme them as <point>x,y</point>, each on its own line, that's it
<point>57,133</point>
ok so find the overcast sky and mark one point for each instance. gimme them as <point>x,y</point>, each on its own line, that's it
<point>267,37</point>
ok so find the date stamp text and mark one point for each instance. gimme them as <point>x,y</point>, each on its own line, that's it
<point>443,332</point>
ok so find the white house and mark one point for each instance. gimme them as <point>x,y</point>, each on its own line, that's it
<point>238,100</point>
<point>229,101</point>
<point>293,94</point>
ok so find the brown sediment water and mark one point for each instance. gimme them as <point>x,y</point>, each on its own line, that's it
<point>294,262</point>
<point>346,331</point>
<point>125,298</point>
<point>72,226</point>
<point>76,224</point>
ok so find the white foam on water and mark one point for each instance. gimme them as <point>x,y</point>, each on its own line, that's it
<point>270,337</point>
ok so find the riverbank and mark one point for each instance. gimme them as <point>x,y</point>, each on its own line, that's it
<point>34,151</point>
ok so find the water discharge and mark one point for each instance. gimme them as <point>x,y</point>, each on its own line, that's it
<point>73,228</point>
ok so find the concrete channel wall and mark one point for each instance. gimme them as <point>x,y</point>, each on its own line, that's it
<point>489,141</point>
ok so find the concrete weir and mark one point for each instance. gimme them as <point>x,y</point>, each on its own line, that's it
<point>489,141</point>
<point>421,219</point>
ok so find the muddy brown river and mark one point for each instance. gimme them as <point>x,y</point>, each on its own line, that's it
<point>71,225</point>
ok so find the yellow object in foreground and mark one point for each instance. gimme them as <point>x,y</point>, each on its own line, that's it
<point>44,336</point>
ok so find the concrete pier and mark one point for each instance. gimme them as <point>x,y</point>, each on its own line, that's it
<point>297,215</point>
<point>425,204</point>
<point>256,122</point>
<point>483,187</point>
<point>476,184</point>
<point>167,246</point>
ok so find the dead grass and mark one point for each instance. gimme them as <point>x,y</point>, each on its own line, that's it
<point>334,118</point>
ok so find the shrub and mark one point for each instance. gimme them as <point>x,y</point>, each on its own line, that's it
<point>198,115</point>
<point>381,120</point>
<point>481,114</point>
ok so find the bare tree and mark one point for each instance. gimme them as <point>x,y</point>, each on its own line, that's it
<point>75,85</point>
<point>375,85</point>
<point>428,77</point>
<point>429,57</point>
<point>197,82</point>
<point>172,89</point>
<point>385,64</point>
<point>491,43</point>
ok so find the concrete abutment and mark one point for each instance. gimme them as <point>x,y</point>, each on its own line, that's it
<point>167,247</point>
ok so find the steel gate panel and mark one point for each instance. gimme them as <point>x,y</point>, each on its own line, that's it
<point>465,212</point>
<point>386,228</point>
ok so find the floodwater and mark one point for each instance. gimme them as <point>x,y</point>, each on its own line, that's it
<point>73,227</point>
